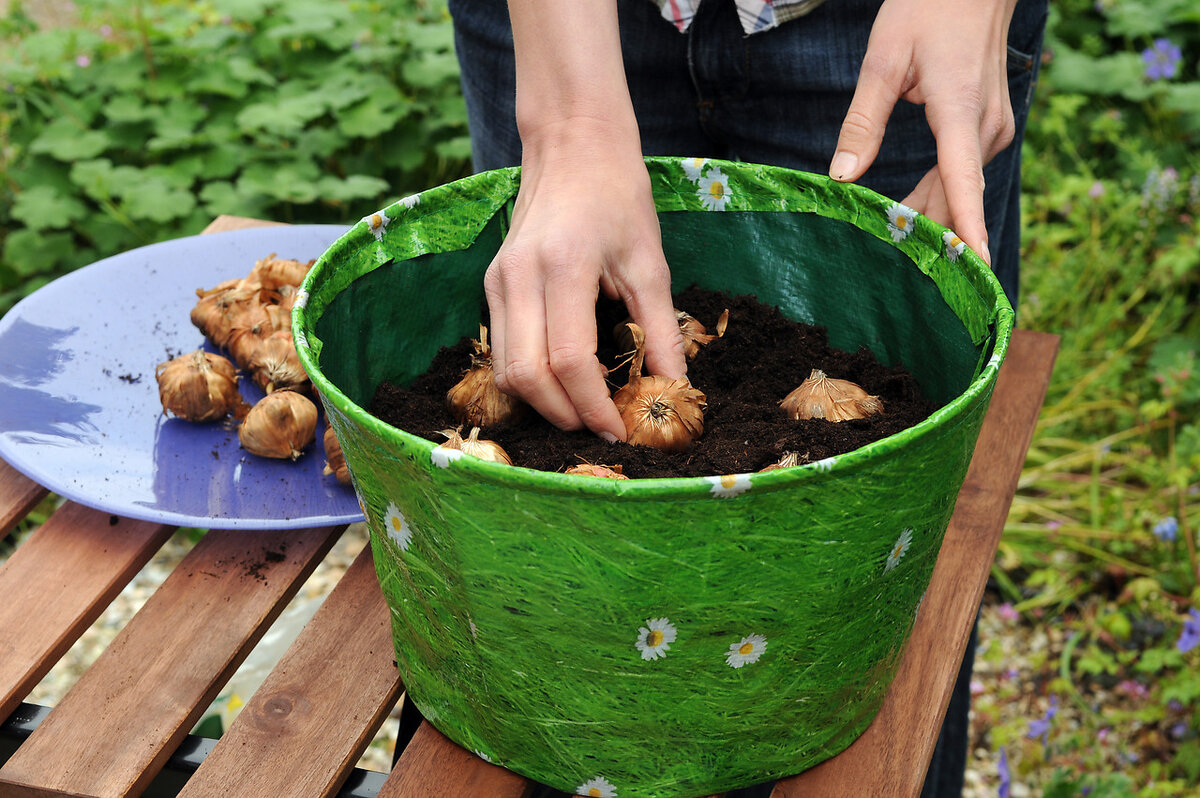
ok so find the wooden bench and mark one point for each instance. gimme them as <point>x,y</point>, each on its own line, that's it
<point>304,729</point>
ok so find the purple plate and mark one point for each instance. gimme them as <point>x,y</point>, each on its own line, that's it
<point>79,408</point>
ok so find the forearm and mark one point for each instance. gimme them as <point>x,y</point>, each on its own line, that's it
<point>570,75</point>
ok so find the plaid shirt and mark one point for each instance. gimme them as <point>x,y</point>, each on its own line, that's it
<point>756,15</point>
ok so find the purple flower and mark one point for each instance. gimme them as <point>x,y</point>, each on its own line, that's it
<point>82,61</point>
<point>1166,529</point>
<point>1005,775</point>
<point>1162,60</point>
<point>1041,726</point>
<point>1179,730</point>
<point>1102,735</point>
<point>106,31</point>
<point>1054,526</point>
<point>1175,705</point>
<point>1133,689</point>
<point>1007,613</point>
<point>1097,190</point>
<point>1189,638</point>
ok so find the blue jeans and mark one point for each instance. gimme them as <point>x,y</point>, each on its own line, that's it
<point>779,98</point>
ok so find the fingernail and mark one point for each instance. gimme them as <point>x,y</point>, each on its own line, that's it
<point>844,164</point>
<point>608,436</point>
<point>985,253</point>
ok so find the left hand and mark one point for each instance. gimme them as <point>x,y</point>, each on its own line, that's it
<point>951,57</point>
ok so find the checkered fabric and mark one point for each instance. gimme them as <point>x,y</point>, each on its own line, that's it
<point>756,15</point>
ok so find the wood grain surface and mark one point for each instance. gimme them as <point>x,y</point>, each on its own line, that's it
<point>305,728</point>
<point>112,733</point>
<point>433,767</point>
<point>18,495</point>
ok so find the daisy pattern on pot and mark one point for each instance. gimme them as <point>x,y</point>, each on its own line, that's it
<point>301,339</point>
<point>897,552</point>
<point>483,756</point>
<point>728,485</point>
<point>599,787</point>
<point>954,245</point>
<point>410,202</point>
<point>825,464</point>
<point>900,221</point>
<point>746,651</point>
<point>397,527</point>
<point>377,223</point>
<point>655,638</point>
<point>714,190</point>
<point>443,457</point>
<point>693,168</point>
<point>301,299</point>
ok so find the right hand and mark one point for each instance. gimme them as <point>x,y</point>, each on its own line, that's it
<point>584,221</point>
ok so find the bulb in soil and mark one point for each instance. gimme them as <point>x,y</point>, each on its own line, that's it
<point>695,335</point>
<point>475,400</point>
<point>276,366</point>
<point>658,411</point>
<point>788,460</point>
<point>199,386</point>
<point>587,469</point>
<point>282,425</point>
<point>335,461</point>
<point>472,445</point>
<point>830,399</point>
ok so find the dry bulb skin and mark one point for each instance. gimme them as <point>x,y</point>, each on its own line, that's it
<point>587,469</point>
<point>788,460</point>
<point>831,399</point>
<point>472,445</point>
<point>335,461</point>
<point>658,411</point>
<point>695,335</point>
<point>475,400</point>
<point>281,426</point>
<point>274,272</point>
<point>276,366</point>
<point>199,386</point>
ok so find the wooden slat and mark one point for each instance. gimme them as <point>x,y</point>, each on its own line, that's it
<point>891,756</point>
<point>314,715</point>
<point>223,224</point>
<point>433,767</point>
<point>18,495</point>
<point>57,583</point>
<point>112,733</point>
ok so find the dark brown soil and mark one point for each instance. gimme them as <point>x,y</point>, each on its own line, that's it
<point>762,357</point>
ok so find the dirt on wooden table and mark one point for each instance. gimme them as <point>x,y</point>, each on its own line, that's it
<point>744,375</point>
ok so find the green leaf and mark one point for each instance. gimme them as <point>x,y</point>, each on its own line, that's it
<point>351,188</point>
<point>431,69</point>
<point>371,118</point>
<point>153,197</point>
<point>455,149</point>
<point>30,252</point>
<point>285,116</point>
<point>94,177</point>
<point>1122,74</point>
<point>126,108</point>
<point>293,182</point>
<point>66,140</point>
<point>46,208</point>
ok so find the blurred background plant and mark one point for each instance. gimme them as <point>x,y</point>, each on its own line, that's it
<point>131,122</point>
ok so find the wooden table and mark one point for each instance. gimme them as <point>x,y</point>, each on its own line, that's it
<point>304,729</point>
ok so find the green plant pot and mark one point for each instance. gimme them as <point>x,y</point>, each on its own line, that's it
<point>666,637</point>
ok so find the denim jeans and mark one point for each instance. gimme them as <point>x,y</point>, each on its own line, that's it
<point>778,98</point>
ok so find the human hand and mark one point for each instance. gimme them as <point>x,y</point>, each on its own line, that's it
<point>951,57</point>
<point>584,221</point>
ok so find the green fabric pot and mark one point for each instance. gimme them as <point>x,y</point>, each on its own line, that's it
<point>668,637</point>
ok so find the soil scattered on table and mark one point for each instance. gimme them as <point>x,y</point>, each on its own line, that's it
<point>761,358</point>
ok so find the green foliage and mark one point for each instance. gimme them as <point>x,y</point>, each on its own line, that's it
<point>149,119</point>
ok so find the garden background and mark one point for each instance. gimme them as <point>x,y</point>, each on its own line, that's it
<point>126,122</point>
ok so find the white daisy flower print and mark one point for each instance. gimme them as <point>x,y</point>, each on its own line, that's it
<point>655,638</point>
<point>301,299</point>
<point>954,245</point>
<point>598,787</point>
<point>900,221</point>
<point>443,457</point>
<point>897,552</point>
<point>397,527</point>
<point>746,651</point>
<point>729,485</point>
<point>377,223</point>
<point>301,339</point>
<point>483,756</point>
<point>714,190</point>
<point>994,360</point>
<point>694,168</point>
<point>826,464</point>
<point>410,202</point>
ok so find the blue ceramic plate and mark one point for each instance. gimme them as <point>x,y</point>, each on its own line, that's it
<point>79,407</point>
